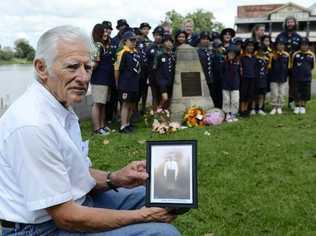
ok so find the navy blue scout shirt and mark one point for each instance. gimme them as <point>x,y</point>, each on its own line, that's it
<point>248,64</point>
<point>206,59</point>
<point>218,60</point>
<point>279,67</point>
<point>230,75</point>
<point>103,74</point>
<point>165,69</point>
<point>129,64</point>
<point>262,71</point>
<point>292,40</point>
<point>193,40</point>
<point>152,53</point>
<point>303,64</point>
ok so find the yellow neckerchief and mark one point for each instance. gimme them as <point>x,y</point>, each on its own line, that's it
<point>263,57</point>
<point>276,54</point>
<point>127,49</point>
<point>308,52</point>
<point>119,56</point>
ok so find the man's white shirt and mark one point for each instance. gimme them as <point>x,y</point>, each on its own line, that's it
<point>43,161</point>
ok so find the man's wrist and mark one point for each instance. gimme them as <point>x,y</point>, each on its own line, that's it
<point>109,182</point>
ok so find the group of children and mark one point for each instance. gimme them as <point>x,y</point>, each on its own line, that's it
<point>239,73</point>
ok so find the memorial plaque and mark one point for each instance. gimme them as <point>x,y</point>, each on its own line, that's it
<point>191,84</point>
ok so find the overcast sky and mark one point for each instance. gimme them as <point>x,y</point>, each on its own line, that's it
<point>30,18</point>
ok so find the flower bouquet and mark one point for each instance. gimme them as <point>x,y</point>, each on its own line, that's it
<point>194,117</point>
<point>160,121</point>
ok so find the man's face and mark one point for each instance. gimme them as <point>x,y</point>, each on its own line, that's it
<point>188,28</point>
<point>144,31</point>
<point>290,24</point>
<point>70,74</point>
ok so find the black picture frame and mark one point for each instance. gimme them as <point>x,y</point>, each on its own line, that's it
<point>178,157</point>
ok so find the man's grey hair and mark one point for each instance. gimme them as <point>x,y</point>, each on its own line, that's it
<point>48,42</point>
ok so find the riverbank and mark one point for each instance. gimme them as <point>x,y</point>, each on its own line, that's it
<point>15,61</point>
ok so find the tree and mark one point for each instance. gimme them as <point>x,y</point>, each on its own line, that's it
<point>23,49</point>
<point>6,54</point>
<point>203,20</point>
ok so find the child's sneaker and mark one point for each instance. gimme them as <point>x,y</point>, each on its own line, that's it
<point>297,110</point>
<point>302,110</point>
<point>273,111</point>
<point>252,112</point>
<point>279,110</point>
<point>228,118</point>
<point>261,112</point>
<point>234,118</point>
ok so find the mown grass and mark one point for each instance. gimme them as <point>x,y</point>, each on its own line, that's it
<point>15,61</point>
<point>255,177</point>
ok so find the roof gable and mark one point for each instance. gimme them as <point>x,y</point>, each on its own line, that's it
<point>289,9</point>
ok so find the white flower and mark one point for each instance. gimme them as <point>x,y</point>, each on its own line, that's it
<point>174,125</point>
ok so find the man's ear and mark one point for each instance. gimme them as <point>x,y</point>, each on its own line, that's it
<point>41,69</point>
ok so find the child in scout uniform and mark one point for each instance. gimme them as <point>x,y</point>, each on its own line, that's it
<point>152,52</point>
<point>302,65</point>
<point>180,38</point>
<point>127,74</point>
<point>262,77</point>
<point>143,85</point>
<point>206,59</point>
<point>218,60</point>
<point>230,83</point>
<point>248,79</point>
<point>165,70</point>
<point>280,63</point>
<point>266,41</point>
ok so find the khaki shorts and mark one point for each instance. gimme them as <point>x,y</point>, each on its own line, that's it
<point>99,93</point>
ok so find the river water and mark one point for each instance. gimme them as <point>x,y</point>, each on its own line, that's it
<point>14,80</point>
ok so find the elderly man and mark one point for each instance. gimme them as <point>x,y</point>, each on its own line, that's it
<point>47,184</point>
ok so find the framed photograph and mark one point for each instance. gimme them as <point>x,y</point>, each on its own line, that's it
<point>172,181</point>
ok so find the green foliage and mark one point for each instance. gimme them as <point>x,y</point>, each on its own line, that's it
<point>6,54</point>
<point>256,176</point>
<point>203,20</point>
<point>24,49</point>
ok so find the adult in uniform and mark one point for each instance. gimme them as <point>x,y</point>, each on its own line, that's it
<point>102,79</point>
<point>192,38</point>
<point>227,35</point>
<point>292,42</point>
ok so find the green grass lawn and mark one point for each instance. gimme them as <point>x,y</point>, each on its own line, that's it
<point>256,176</point>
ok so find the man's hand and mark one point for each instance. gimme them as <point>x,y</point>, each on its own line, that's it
<point>132,175</point>
<point>156,214</point>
